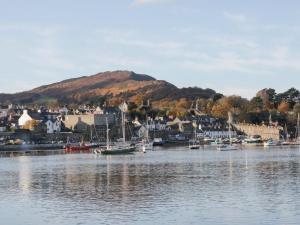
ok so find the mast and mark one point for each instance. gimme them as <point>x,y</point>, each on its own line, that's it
<point>147,129</point>
<point>107,134</point>
<point>286,132</point>
<point>298,125</point>
<point>91,134</point>
<point>229,126</point>
<point>195,130</point>
<point>123,127</point>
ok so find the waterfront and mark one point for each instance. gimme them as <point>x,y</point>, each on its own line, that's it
<point>165,186</point>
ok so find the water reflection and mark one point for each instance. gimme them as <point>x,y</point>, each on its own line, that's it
<point>24,175</point>
<point>179,187</point>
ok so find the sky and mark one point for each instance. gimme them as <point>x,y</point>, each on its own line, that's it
<point>231,46</point>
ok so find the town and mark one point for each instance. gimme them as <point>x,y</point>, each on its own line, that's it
<point>22,125</point>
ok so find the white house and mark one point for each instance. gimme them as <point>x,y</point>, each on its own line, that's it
<point>4,112</point>
<point>53,126</point>
<point>98,111</point>
<point>142,131</point>
<point>64,110</point>
<point>27,116</point>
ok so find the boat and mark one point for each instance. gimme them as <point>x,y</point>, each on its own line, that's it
<point>119,148</point>
<point>146,144</point>
<point>298,130</point>
<point>71,148</point>
<point>253,140</point>
<point>208,140</point>
<point>158,142</point>
<point>194,143</point>
<point>230,146</point>
<point>270,142</point>
<point>227,148</point>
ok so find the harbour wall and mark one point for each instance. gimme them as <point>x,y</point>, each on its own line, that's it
<point>266,132</point>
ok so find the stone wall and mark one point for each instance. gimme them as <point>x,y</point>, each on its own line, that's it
<point>265,132</point>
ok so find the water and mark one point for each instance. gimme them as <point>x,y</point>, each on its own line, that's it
<point>166,186</point>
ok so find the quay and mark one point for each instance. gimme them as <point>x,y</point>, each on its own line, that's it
<point>30,147</point>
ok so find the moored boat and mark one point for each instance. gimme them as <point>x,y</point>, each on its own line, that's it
<point>158,142</point>
<point>120,148</point>
<point>230,146</point>
<point>74,148</point>
<point>270,142</point>
<point>227,148</point>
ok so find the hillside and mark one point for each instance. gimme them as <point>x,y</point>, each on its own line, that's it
<point>109,85</point>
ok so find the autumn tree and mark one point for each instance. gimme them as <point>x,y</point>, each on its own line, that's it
<point>283,107</point>
<point>31,125</point>
<point>256,105</point>
<point>235,104</point>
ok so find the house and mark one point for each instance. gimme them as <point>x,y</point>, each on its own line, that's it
<point>53,126</point>
<point>83,122</point>
<point>142,131</point>
<point>4,110</point>
<point>180,125</point>
<point>98,111</point>
<point>29,118</point>
<point>64,110</point>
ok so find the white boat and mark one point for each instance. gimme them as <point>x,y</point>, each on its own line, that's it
<point>226,147</point>
<point>253,140</point>
<point>270,142</point>
<point>158,142</point>
<point>146,144</point>
<point>298,130</point>
<point>194,143</point>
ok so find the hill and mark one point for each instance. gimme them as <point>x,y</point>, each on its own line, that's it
<point>112,86</point>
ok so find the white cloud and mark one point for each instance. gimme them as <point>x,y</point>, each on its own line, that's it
<point>132,39</point>
<point>235,17</point>
<point>276,59</point>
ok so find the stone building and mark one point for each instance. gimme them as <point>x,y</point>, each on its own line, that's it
<point>266,132</point>
<point>82,123</point>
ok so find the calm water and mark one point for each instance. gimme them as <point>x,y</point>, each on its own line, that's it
<point>166,186</point>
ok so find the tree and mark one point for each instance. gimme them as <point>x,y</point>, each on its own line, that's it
<point>235,104</point>
<point>296,109</point>
<point>268,96</point>
<point>256,105</point>
<point>291,96</point>
<point>31,125</point>
<point>283,107</point>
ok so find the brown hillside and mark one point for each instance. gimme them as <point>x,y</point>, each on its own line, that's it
<point>117,84</point>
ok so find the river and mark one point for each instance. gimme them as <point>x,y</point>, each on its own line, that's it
<point>165,186</point>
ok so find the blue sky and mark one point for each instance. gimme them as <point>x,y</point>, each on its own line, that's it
<point>234,47</point>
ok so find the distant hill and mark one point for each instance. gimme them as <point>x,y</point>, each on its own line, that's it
<point>109,85</point>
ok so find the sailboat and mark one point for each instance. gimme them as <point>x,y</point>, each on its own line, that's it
<point>298,130</point>
<point>120,148</point>
<point>194,143</point>
<point>146,144</point>
<point>285,141</point>
<point>226,147</point>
